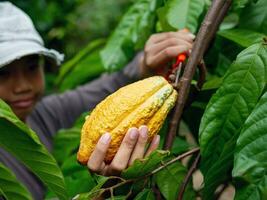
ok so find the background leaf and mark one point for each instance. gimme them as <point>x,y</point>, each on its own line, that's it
<point>227,111</point>
<point>243,37</point>
<point>250,162</point>
<point>170,179</point>
<point>19,140</point>
<point>133,30</point>
<point>180,14</point>
<point>85,66</point>
<point>11,188</point>
<point>254,17</point>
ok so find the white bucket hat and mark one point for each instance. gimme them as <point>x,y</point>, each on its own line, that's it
<point>19,38</point>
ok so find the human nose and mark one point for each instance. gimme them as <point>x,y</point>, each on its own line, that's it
<point>21,83</point>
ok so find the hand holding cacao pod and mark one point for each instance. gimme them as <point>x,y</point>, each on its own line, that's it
<point>146,102</point>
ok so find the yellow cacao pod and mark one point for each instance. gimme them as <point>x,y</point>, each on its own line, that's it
<point>145,102</point>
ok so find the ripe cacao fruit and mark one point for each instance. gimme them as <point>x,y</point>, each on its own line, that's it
<point>145,102</point>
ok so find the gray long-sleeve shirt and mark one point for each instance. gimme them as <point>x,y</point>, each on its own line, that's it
<point>60,111</point>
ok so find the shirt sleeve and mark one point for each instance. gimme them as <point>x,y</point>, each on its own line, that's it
<point>55,112</point>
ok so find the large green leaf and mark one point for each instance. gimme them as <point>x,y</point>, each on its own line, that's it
<point>254,17</point>
<point>11,188</point>
<point>250,162</point>
<point>25,145</point>
<point>243,37</point>
<point>179,14</point>
<point>142,167</point>
<point>228,109</point>
<point>170,179</point>
<point>133,30</point>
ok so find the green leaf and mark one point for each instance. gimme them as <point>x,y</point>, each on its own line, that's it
<point>24,144</point>
<point>254,17</point>
<point>250,162</point>
<point>142,167</point>
<point>11,188</point>
<point>230,21</point>
<point>180,14</point>
<point>243,37</point>
<point>170,179</point>
<point>132,31</point>
<point>242,3</point>
<point>68,67</point>
<point>95,192</point>
<point>146,194</point>
<point>228,109</point>
<point>249,192</point>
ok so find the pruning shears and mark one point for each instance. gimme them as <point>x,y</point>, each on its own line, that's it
<point>177,66</point>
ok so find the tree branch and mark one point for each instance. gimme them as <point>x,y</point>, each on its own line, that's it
<point>205,35</point>
<point>188,176</point>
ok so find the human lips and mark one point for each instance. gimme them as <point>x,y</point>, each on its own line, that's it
<point>23,103</point>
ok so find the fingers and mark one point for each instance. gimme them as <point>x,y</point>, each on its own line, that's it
<point>159,37</point>
<point>170,42</point>
<point>139,149</point>
<point>166,55</point>
<point>96,160</point>
<point>122,157</point>
<point>163,47</point>
<point>153,145</point>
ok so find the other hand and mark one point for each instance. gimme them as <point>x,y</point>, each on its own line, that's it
<point>162,48</point>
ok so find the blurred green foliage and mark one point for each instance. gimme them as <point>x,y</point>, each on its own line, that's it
<point>69,25</point>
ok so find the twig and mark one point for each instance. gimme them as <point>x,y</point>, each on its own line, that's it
<point>124,181</point>
<point>156,192</point>
<point>204,36</point>
<point>188,176</point>
<point>188,153</point>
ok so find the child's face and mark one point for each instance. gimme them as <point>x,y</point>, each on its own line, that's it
<point>22,84</point>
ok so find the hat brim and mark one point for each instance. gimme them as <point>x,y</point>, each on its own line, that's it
<point>11,51</point>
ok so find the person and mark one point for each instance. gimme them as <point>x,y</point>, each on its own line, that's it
<point>22,88</point>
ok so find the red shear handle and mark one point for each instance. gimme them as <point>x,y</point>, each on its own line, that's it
<point>180,59</point>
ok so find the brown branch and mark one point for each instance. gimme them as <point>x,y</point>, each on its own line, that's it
<point>188,177</point>
<point>205,35</point>
<point>188,153</point>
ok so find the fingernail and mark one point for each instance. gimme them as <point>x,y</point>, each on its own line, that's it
<point>105,139</point>
<point>143,131</point>
<point>156,140</point>
<point>192,36</point>
<point>133,133</point>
